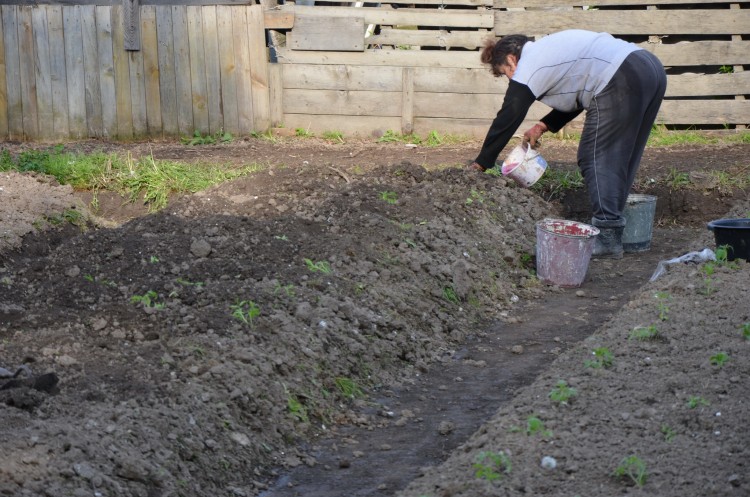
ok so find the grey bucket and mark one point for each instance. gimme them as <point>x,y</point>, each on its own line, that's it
<point>639,217</point>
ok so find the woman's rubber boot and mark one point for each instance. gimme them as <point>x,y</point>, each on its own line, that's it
<point>608,243</point>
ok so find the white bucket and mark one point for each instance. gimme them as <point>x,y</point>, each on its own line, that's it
<point>524,165</point>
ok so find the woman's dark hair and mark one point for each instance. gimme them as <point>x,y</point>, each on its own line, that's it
<point>495,52</point>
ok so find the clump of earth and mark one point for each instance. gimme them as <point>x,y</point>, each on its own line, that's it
<point>210,348</point>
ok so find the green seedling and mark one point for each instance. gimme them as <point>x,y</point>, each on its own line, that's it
<point>475,196</point>
<point>283,238</point>
<point>185,282</point>
<point>709,269</point>
<point>349,388</point>
<point>644,333</point>
<point>696,400</point>
<point>633,468</point>
<point>389,197</point>
<point>745,330</point>
<point>334,136</point>
<point>562,393</point>
<point>287,289</point>
<point>153,259</point>
<point>663,297</point>
<point>492,466</point>
<point>602,358</point>
<point>148,299</point>
<point>535,426</point>
<point>198,139</point>
<point>668,432</point>
<point>719,359</point>
<point>318,267</point>
<point>676,179</point>
<point>245,311</point>
<point>450,295</point>
<point>296,408</point>
<point>302,133</point>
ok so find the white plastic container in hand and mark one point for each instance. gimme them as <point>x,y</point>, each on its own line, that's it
<point>524,165</point>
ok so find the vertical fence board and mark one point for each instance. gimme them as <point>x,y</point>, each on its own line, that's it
<point>74,71</point>
<point>182,70</point>
<point>28,78</point>
<point>276,85</point>
<point>122,76</point>
<point>213,69</point>
<point>12,71</point>
<point>197,69</point>
<point>92,88</point>
<point>228,66</point>
<point>137,93</point>
<point>150,46</point>
<point>407,101</point>
<point>3,85</point>
<point>167,83</point>
<point>58,74</point>
<point>106,70</point>
<point>259,68</point>
<point>42,70</point>
<point>244,77</point>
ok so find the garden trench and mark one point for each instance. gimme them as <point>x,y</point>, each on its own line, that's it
<point>389,334</point>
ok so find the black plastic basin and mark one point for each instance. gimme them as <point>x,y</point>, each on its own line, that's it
<point>735,234</point>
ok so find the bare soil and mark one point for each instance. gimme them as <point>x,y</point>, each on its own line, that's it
<point>401,336</point>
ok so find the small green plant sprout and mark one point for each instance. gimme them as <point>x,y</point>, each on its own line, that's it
<point>148,299</point>
<point>349,388</point>
<point>318,267</point>
<point>696,401</point>
<point>389,197</point>
<point>663,298</point>
<point>450,295</point>
<point>334,136</point>
<point>288,290</point>
<point>644,333</point>
<point>719,359</point>
<point>153,259</point>
<point>295,407</point>
<point>745,330</point>
<point>632,468</point>
<point>668,433</point>
<point>302,133</point>
<point>708,270</point>
<point>185,282</point>
<point>726,69</point>
<point>602,358</point>
<point>245,311</point>
<point>535,426</point>
<point>283,238</point>
<point>562,393</point>
<point>475,196</point>
<point>492,466</point>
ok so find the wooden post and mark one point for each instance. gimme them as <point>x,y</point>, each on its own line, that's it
<point>131,19</point>
<point>738,68</point>
<point>407,102</point>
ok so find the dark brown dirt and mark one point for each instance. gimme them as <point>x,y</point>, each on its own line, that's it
<point>353,381</point>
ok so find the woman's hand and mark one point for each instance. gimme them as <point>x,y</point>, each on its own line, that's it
<point>534,133</point>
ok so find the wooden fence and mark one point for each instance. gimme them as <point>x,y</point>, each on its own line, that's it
<point>124,70</point>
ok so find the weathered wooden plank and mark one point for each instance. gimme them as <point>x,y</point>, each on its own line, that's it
<point>243,72</point>
<point>475,128</point>
<point>275,81</point>
<point>468,3</point>
<point>105,55</point>
<point>42,70</point>
<point>228,69</point>
<point>3,85</point>
<point>315,33</point>
<point>110,3</point>
<point>197,69</point>
<point>349,125</point>
<point>468,106</point>
<point>515,4</point>
<point>92,88</point>
<point>137,93</point>
<point>13,71</point>
<point>694,53</point>
<point>719,112</point>
<point>259,68</point>
<point>455,80</point>
<point>412,58</point>
<point>341,77</point>
<point>167,82</point>
<point>74,71</point>
<point>407,101</point>
<point>385,15</point>
<point>182,70</point>
<point>131,14</point>
<point>354,103</point>
<point>429,38</point>
<point>704,85</point>
<point>150,48</point>
<point>630,22</point>
<point>213,69</point>
<point>122,77</point>
<point>28,77</point>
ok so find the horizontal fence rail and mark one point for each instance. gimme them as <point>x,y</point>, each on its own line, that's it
<point>153,68</point>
